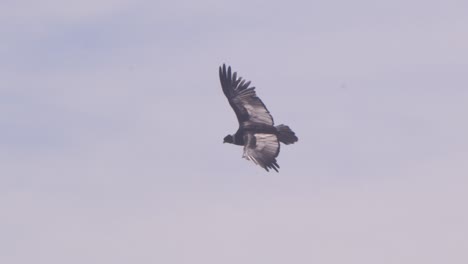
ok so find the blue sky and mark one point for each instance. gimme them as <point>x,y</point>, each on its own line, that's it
<point>112,120</point>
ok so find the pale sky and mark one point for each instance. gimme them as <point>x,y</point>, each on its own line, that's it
<point>112,120</point>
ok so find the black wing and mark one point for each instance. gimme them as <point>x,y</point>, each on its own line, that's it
<point>262,149</point>
<point>248,107</point>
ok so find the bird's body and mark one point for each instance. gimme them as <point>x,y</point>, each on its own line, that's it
<point>255,128</point>
<point>257,133</point>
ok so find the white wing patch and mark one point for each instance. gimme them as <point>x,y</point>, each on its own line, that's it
<point>257,111</point>
<point>262,150</point>
<point>267,144</point>
<point>259,114</point>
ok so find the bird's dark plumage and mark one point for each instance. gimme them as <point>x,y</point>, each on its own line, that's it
<point>257,133</point>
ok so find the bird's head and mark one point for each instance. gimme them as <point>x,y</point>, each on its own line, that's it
<point>228,139</point>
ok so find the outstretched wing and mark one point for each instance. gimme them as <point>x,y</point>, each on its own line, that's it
<point>248,107</point>
<point>262,149</point>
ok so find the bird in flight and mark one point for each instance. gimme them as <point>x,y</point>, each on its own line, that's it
<point>257,133</point>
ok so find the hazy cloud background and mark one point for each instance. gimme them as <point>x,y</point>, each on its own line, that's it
<point>112,119</point>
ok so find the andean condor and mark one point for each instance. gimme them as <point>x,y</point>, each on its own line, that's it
<point>260,138</point>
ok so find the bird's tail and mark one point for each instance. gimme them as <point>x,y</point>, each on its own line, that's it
<point>286,135</point>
